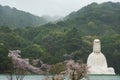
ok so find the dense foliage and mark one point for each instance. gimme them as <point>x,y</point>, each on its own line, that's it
<point>57,68</point>
<point>5,62</point>
<point>71,38</point>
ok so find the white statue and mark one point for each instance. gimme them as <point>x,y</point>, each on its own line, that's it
<point>96,61</point>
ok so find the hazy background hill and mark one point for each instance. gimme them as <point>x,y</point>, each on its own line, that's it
<point>69,38</point>
<point>16,18</point>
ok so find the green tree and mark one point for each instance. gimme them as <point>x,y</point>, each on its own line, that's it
<point>5,62</point>
<point>57,68</point>
<point>33,51</point>
<point>73,41</point>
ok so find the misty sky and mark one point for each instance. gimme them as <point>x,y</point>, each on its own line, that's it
<point>50,7</point>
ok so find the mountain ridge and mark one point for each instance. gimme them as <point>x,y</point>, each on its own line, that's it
<point>94,18</point>
<point>17,18</point>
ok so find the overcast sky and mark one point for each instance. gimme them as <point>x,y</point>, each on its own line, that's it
<point>50,7</point>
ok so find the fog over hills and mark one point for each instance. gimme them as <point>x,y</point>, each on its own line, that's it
<point>16,18</point>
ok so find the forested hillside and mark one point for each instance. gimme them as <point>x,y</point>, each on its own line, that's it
<point>95,19</point>
<point>15,18</point>
<point>71,38</point>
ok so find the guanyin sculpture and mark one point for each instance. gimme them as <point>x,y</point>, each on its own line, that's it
<point>96,61</point>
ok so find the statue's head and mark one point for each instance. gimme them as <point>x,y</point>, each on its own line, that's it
<point>96,46</point>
